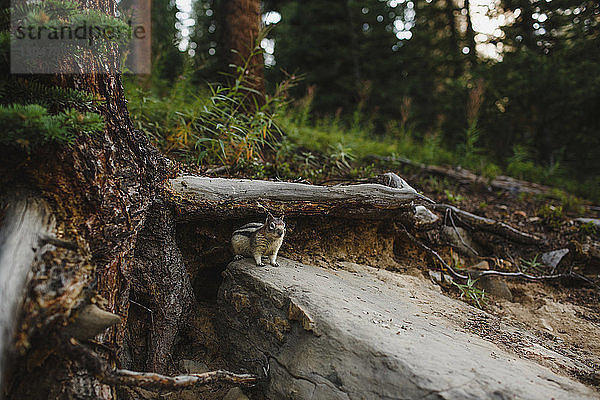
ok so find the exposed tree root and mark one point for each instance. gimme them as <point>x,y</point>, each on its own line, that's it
<point>152,381</point>
<point>477,274</point>
<point>473,221</point>
<point>148,380</point>
<point>161,281</point>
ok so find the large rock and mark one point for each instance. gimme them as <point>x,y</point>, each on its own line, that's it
<point>371,334</point>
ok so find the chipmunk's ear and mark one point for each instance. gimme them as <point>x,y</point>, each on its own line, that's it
<point>269,216</point>
<point>282,215</point>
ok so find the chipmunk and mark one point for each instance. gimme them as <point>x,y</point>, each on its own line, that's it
<point>257,239</point>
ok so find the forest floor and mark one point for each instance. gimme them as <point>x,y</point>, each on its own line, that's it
<point>561,315</point>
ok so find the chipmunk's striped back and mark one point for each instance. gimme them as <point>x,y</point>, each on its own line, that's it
<point>249,229</point>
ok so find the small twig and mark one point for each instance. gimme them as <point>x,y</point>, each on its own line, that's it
<point>462,222</point>
<point>433,254</point>
<point>47,239</point>
<point>147,309</point>
<point>576,275</point>
<point>512,260</point>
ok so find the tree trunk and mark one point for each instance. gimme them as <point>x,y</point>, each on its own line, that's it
<point>449,10</point>
<point>470,35</point>
<point>99,190</point>
<point>241,29</point>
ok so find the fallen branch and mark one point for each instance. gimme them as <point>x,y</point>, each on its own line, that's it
<point>432,253</point>
<point>157,382</point>
<point>473,221</point>
<point>523,275</point>
<point>449,216</point>
<point>198,197</point>
<point>464,176</point>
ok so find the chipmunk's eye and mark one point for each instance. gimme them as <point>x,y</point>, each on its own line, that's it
<point>272,226</point>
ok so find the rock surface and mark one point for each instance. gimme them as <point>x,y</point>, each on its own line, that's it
<point>460,239</point>
<point>424,217</point>
<point>235,394</point>
<point>373,334</point>
<point>553,258</point>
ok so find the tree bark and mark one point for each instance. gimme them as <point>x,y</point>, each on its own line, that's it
<point>241,29</point>
<point>470,35</point>
<point>160,281</point>
<point>99,191</point>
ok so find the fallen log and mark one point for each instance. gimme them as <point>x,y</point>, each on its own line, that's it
<point>464,176</point>
<point>25,219</point>
<point>198,197</point>
<point>467,219</point>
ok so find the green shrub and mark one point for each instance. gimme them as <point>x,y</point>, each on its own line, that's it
<point>453,198</point>
<point>552,215</point>
<point>211,126</point>
<point>589,228</point>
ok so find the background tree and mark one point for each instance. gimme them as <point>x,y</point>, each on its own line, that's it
<point>167,60</point>
<point>241,35</point>
<point>545,88</point>
<point>227,35</point>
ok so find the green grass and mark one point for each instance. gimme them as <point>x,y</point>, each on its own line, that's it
<point>206,127</point>
<point>471,293</point>
<point>327,135</point>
